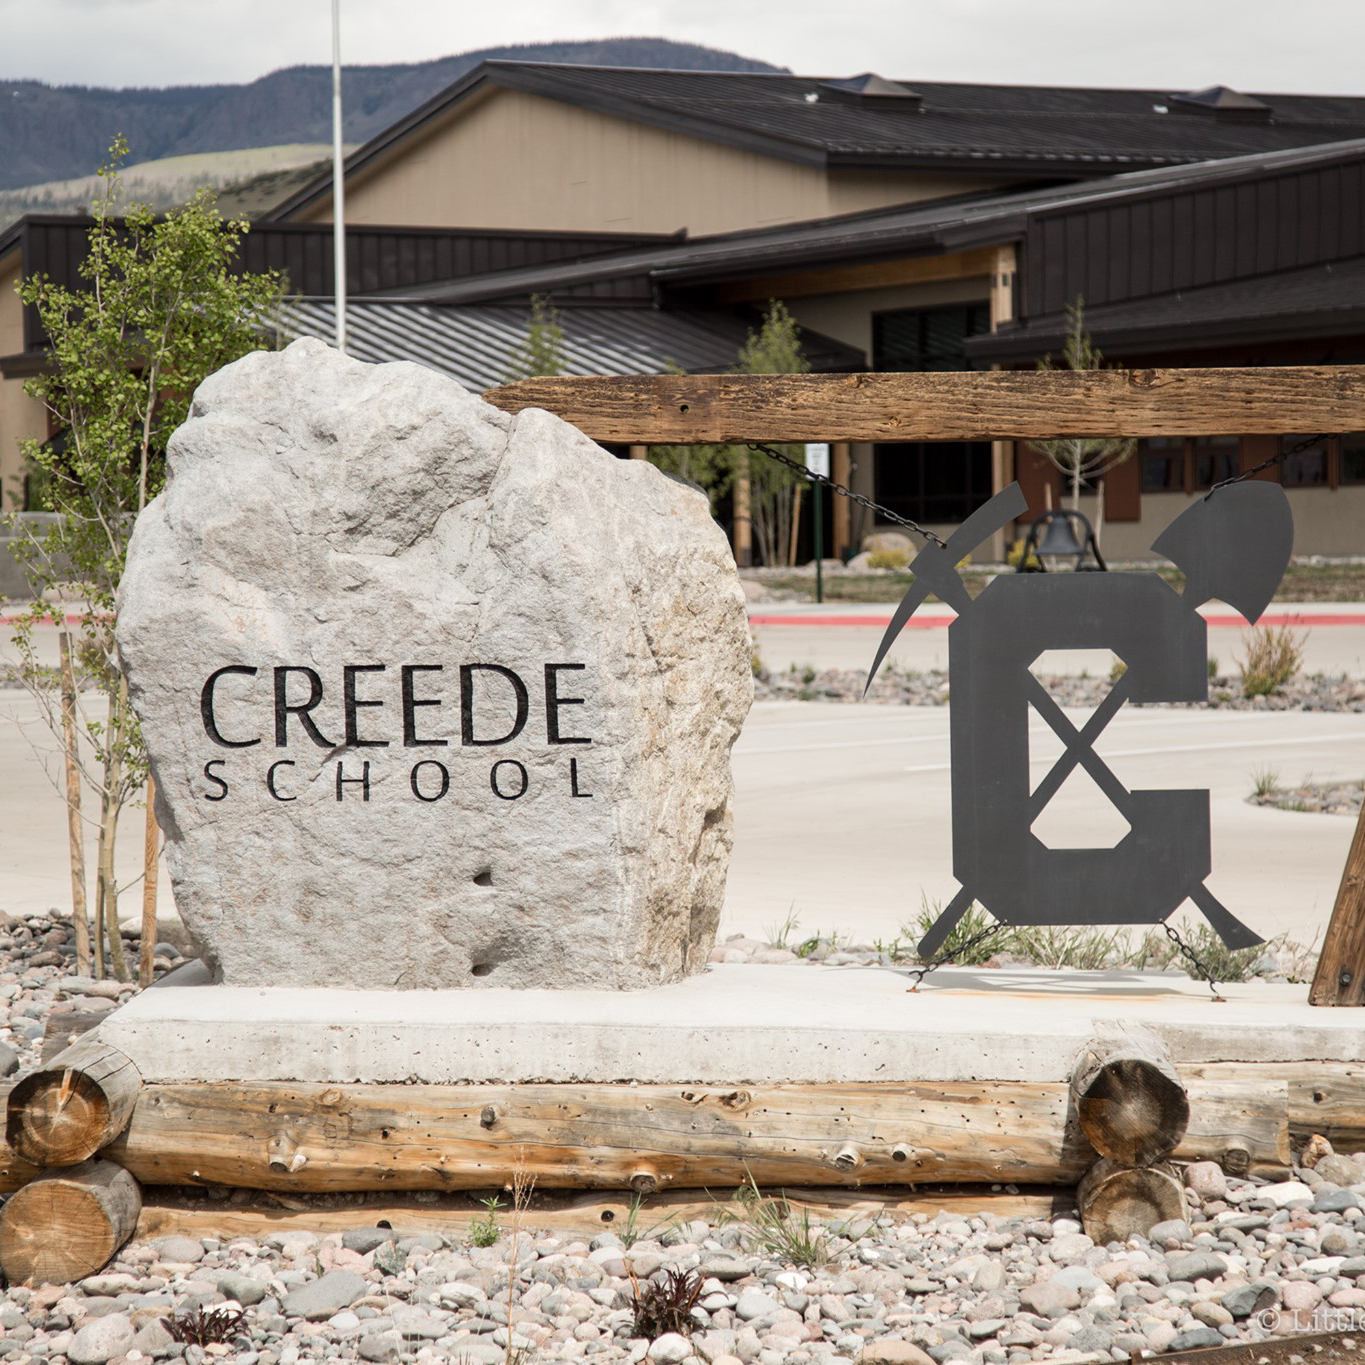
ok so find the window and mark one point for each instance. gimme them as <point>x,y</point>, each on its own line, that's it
<point>1216,458</point>
<point>1163,464</point>
<point>1305,468</point>
<point>930,480</point>
<point>1353,457</point>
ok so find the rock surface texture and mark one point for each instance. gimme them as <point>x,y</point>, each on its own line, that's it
<point>435,696</point>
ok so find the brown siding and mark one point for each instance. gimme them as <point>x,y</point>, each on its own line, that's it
<point>517,159</point>
<point>1123,491</point>
<point>1187,237</point>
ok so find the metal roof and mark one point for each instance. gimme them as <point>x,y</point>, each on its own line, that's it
<point>478,346</point>
<point>1025,130</point>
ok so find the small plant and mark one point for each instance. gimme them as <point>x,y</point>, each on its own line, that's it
<point>894,558</point>
<point>780,1230</point>
<point>1264,780</point>
<point>201,1327</point>
<point>664,1304</point>
<point>779,935</point>
<point>1273,657</point>
<point>1213,666</point>
<point>1118,670</point>
<point>484,1230</point>
<point>1083,947</point>
<point>973,922</point>
<point>756,664</point>
<point>1157,952</point>
<point>808,675</point>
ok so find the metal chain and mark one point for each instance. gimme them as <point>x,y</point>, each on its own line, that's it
<point>943,959</point>
<point>1305,444</point>
<point>1173,934</point>
<point>847,493</point>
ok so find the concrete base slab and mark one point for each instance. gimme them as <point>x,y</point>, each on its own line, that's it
<point>731,1025</point>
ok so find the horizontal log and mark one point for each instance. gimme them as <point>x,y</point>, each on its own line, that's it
<point>315,1138</point>
<point>74,1106</point>
<point>166,1214</point>
<point>966,406</point>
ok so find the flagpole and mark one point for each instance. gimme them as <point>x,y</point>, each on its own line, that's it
<point>338,185</point>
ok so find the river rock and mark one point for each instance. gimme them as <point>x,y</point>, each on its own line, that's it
<point>435,696</point>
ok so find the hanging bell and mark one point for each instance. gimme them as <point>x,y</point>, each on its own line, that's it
<point>1060,540</point>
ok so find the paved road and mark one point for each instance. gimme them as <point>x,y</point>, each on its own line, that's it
<point>845,635</point>
<point>841,811</point>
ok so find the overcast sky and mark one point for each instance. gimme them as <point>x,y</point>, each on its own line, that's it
<point>1267,45</point>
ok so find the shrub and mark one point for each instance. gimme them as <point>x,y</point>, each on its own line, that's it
<point>894,558</point>
<point>1273,657</point>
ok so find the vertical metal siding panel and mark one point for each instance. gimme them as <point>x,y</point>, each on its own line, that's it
<point>1054,264</point>
<point>1034,300</point>
<point>426,258</point>
<point>1120,255</point>
<point>1245,231</point>
<point>1180,249</point>
<point>1352,208</point>
<point>1287,253</point>
<point>1141,219</point>
<point>1307,225</point>
<point>1095,287</point>
<point>1203,246</point>
<point>1225,234</point>
<point>1332,202</point>
<point>1267,220</point>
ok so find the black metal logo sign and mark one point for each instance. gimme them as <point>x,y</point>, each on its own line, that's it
<point>1234,547</point>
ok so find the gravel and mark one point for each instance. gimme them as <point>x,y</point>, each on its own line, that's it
<point>893,687</point>
<point>1255,1259</point>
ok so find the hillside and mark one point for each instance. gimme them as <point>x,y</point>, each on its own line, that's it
<point>58,133</point>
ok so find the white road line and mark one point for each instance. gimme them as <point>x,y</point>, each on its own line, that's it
<point>1175,749</point>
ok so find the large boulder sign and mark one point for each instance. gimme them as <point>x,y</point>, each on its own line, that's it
<point>434,696</point>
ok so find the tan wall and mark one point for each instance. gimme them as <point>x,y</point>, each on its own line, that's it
<point>20,415</point>
<point>512,160</point>
<point>1326,522</point>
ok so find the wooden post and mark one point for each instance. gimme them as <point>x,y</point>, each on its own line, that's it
<point>151,849</point>
<point>1003,270</point>
<point>638,452</point>
<point>1340,977</point>
<point>70,1109</point>
<point>1129,1100</point>
<point>68,1224</point>
<point>796,525</point>
<point>841,471</point>
<point>80,921</point>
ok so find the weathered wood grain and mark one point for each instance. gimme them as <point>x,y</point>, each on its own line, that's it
<point>1340,975</point>
<point>1129,1100</point>
<point>1117,1202</point>
<point>315,1138</point>
<point>72,1107</point>
<point>68,1224</point>
<point>163,1213</point>
<point>1004,404</point>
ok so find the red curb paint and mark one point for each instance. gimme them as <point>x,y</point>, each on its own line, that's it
<point>942,622</point>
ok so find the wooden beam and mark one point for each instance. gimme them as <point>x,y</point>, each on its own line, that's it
<point>1006,404</point>
<point>798,284</point>
<point>314,1138</point>
<point>581,1214</point>
<point>1340,975</point>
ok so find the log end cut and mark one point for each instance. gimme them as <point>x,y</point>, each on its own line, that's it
<point>68,1224</point>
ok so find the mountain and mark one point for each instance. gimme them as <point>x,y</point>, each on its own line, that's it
<point>50,133</point>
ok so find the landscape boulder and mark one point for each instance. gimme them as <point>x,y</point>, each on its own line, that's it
<point>434,696</point>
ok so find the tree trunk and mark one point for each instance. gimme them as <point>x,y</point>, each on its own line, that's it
<point>68,1224</point>
<point>150,852</point>
<point>80,922</point>
<point>110,805</point>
